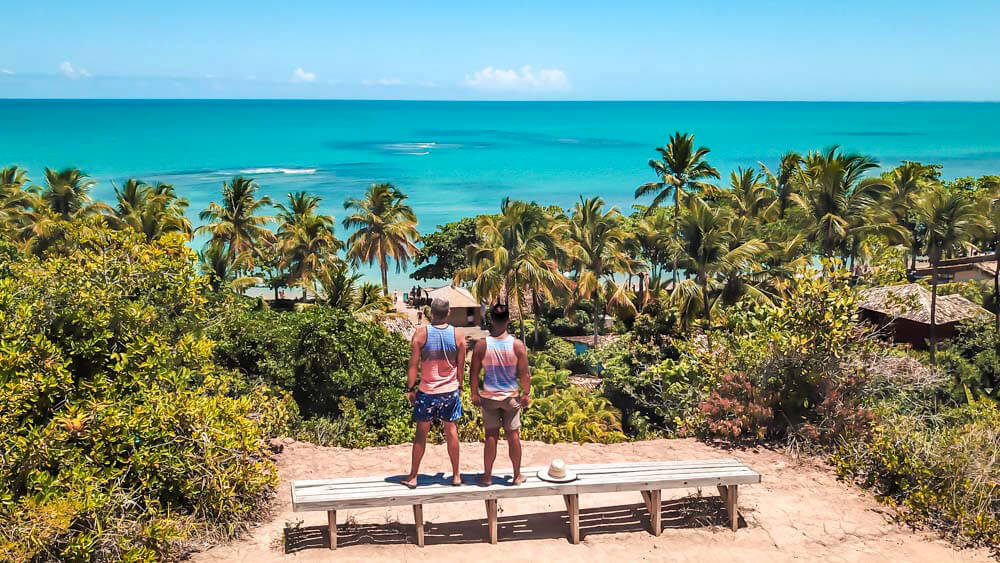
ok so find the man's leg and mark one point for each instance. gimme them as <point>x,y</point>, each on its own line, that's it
<point>512,430</point>
<point>419,445</point>
<point>451,437</point>
<point>489,455</point>
<point>514,447</point>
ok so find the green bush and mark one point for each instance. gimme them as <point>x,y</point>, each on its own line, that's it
<point>332,364</point>
<point>971,362</point>
<point>562,412</point>
<point>662,395</point>
<point>121,437</point>
<point>941,470</point>
<point>799,368</point>
<point>559,353</point>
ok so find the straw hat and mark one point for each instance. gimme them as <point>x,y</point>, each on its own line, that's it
<point>557,472</point>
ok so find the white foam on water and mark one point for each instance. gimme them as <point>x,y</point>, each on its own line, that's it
<point>278,171</point>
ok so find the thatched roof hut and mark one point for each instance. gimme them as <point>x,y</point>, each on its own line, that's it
<point>906,309</point>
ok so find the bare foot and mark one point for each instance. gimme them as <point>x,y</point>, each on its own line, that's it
<point>456,480</point>
<point>485,481</point>
<point>518,479</point>
<point>410,482</point>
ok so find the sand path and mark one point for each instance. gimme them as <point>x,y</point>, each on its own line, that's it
<point>800,512</point>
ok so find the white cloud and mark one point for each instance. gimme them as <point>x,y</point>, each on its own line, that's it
<point>382,82</point>
<point>525,78</point>
<point>427,84</point>
<point>300,75</point>
<point>6,71</point>
<point>70,71</point>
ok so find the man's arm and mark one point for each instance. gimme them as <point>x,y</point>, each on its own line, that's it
<point>416,343</point>
<point>523,373</point>
<point>460,345</point>
<point>477,365</point>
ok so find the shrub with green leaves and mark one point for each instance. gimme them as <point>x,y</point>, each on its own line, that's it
<point>121,437</point>
<point>332,364</point>
<point>941,470</point>
<point>562,412</point>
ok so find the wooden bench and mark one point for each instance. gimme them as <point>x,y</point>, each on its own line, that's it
<point>649,478</point>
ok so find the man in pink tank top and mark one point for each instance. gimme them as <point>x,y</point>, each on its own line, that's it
<point>437,354</point>
<point>506,389</point>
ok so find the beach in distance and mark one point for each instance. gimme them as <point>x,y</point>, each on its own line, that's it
<point>457,159</point>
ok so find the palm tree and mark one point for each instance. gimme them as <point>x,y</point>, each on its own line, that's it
<point>653,233</point>
<point>782,184</point>
<point>150,210</point>
<point>680,168</point>
<point>218,264</point>
<point>704,246</point>
<point>235,223</point>
<point>906,183</point>
<point>65,197</point>
<point>67,193</point>
<point>840,204</point>
<point>386,228</point>
<point>306,239</point>
<point>517,253</point>
<point>597,242</point>
<point>950,220</point>
<point>13,197</point>
<point>748,194</point>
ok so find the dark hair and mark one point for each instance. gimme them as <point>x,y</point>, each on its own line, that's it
<point>500,312</point>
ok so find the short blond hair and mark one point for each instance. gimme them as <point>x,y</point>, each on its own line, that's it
<point>440,308</point>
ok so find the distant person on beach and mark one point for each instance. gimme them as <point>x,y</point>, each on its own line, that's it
<point>437,354</point>
<point>503,360</point>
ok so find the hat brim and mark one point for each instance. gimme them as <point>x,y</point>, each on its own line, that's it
<point>544,476</point>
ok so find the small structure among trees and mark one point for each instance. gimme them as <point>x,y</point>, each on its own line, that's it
<point>905,310</point>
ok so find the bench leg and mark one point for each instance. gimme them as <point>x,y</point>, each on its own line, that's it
<point>573,509</point>
<point>732,494</point>
<point>655,512</point>
<point>331,520</point>
<point>491,518</point>
<point>645,500</point>
<point>418,523</point>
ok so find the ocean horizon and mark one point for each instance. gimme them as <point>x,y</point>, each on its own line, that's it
<point>461,158</point>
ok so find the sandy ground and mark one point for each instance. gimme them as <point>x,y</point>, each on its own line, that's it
<point>800,512</point>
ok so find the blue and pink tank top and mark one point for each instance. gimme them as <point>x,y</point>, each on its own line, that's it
<point>439,361</point>
<point>500,369</point>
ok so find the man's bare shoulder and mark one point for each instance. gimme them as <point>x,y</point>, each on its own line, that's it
<point>519,346</point>
<point>420,334</point>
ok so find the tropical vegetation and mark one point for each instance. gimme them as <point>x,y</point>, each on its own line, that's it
<point>141,381</point>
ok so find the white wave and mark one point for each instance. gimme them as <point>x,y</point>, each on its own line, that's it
<point>278,171</point>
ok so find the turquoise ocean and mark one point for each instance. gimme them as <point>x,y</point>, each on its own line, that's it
<point>455,159</point>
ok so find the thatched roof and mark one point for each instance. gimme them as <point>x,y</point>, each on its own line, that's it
<point>456,296</point>
<point>913,302</point>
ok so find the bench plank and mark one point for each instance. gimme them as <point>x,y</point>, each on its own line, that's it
<point>593,478</point>
<point>392,486</point>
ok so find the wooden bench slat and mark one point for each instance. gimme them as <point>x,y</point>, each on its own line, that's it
<point>445,483</point>
<point>395,488</point>
<point>422,495</point>
<point>579,468</point>
<point>310,488</point>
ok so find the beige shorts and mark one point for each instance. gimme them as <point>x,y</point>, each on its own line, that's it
<point>502,412</point>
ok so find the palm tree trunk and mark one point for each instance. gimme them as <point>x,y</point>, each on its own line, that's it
<point>597,318</point>
<point>933,335</point>
<point>708,311</point>
<point>383,265</point>
<point>537,312</point>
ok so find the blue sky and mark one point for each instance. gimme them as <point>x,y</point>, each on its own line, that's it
<point>708,50</point>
